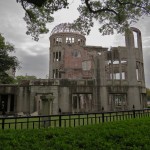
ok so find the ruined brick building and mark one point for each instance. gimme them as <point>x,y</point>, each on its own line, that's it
<point>83,78</point>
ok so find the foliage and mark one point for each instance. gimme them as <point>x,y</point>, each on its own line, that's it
<point>148,94</point>
<point>130,134</point>
<point>27,77</point>
<point>111,14</point>
<point>6,79</point>
<point>38,13</point>
<point>6,61</point>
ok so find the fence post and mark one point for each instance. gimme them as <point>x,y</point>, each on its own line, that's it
<point>60,120</point>
<point>102,114</point>
<point>133,111</point>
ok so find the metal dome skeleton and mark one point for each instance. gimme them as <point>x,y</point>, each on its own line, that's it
<point>65,27</point>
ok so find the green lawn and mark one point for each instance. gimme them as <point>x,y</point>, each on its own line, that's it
<point>133,134</point>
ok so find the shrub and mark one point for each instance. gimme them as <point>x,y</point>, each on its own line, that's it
<point>124,135</point>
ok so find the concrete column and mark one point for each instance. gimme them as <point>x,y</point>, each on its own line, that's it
<point>50,63</point>
<point>103,89</point>
<point>133,90</point>
<point>143,77</point>
<point>36,103</point>
<point>32,96</point>
<point>72,110</point>
<point>39,107</point>
<point>19,100</point>
<point>112,68</point>
<point>120,68</point>
<point>96,97</point>
<point>64,100</point>
<point>102,70</point>
<point>26,100</point>
<point>134,98</point>
<point>140,71</point>
<point>139,38</point>
<point>55,101</point>
<point>51,107</point>
<point>104,98</point>
<point>131,60</point>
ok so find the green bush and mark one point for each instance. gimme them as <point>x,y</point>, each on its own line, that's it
<point>123,135</point>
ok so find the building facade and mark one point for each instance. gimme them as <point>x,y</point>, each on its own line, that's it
<point>83,78</point>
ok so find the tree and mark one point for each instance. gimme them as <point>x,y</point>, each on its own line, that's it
<point>6,61</point>
<point>27,77</point>
<point>148,94</point>
<point>111,14</point>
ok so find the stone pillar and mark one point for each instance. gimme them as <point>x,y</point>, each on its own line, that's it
<point>104,98</point>
<point>38,104</point>
<point>133,90</point>
<point>72,110</point>
<point>131,60</point>
<point>96,97</point>
<point>103,89</point>
<point>32,96</point>
<point>19,100</point>
<point>64,99</point>
<point>50,62</point>
<point>134,98</point>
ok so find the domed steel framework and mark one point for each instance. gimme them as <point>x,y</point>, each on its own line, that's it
<point>65,27</point>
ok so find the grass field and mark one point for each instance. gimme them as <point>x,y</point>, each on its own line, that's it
<point>133,134</point>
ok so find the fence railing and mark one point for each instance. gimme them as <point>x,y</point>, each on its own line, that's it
<point>70,120</point>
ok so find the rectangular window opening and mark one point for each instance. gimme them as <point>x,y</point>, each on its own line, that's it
<point>75,102</point>
<point>58,40</point>
<point>123,62</point>
<point>117,99</point>
<point>72,40</point>
<point>59,75</point>
<point>86,65</point>
<point>135,40</point>
<point>137,74</point>
<point>116,62</point>
<point>12,103</point>
<point>59,59</point>
<point>53,56</point>
<point>123,75</point>
<point>109,62</point>
<point>117,76</point>
<point>69,40</point>
<point>54,74</point>
<point>79,41</point>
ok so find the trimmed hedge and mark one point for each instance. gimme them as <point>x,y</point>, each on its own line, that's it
<point>122,135</point>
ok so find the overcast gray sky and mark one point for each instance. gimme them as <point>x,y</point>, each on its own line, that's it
<point>34,56</point>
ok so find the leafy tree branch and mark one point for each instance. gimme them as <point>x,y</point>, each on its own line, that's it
<point>6,61</point>
<point>112,15</point>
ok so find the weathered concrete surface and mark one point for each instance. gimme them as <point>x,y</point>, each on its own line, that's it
<point>84,78</point>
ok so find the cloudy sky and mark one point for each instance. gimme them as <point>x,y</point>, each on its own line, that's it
<point>34,56</point>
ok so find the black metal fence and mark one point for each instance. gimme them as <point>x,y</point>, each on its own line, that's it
<point>70,120</point>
